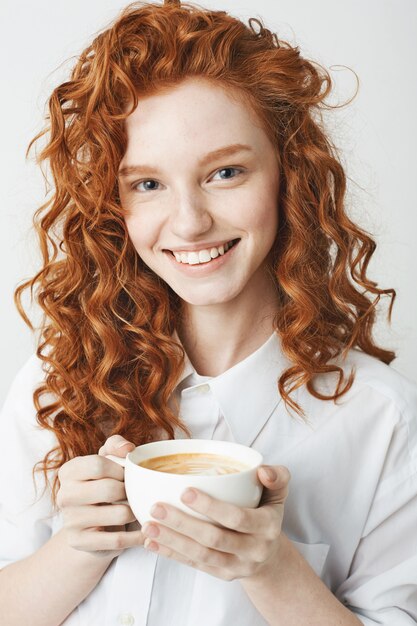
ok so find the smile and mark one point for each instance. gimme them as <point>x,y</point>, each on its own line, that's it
<point>199,257</point>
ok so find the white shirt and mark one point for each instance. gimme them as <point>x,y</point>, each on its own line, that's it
<point>351,509</point>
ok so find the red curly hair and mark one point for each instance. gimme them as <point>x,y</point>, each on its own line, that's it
<point>108,321</point>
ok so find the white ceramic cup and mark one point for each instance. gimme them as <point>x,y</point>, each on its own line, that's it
<point>145,487</point>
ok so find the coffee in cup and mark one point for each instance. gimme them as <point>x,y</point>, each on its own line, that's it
<point>198,463</point>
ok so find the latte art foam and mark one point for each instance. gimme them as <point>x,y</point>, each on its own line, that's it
<point>203,464</point>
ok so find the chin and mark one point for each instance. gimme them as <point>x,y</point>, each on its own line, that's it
<point>205,299</point>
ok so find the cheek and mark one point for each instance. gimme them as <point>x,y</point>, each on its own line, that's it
<point>261,216</point>
<point>267,217</point>
<point>141,234</point>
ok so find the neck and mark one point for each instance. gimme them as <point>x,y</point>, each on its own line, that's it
<point>218,336</point>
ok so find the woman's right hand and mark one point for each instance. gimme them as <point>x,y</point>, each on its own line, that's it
<point>91,499</point>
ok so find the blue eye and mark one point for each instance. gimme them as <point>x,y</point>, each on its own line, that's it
<point>142,182</point>
<point>229,169</point>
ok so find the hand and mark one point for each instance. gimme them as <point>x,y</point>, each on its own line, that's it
<point>89,488</point>
<point>246,546</point>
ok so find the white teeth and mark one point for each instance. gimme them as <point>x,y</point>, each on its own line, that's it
<point>202,256</point>
<point>193,258</point>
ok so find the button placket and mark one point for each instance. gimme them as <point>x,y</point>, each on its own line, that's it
<point>134,569</point>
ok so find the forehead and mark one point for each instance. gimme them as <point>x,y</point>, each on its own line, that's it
<point>196,109</point>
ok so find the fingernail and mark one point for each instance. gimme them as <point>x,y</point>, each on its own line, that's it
<point>189,496</point>
<point>120,445</point>
<point>271,473</point>
<point>150,545</point>
<point>158,511</point>
<point>150,530</point>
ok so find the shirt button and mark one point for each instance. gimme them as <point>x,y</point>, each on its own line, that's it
<point>203,388</point>
<point>126,619</point>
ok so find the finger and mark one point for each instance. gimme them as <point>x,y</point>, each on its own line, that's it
<point>96,540</point>
<point>76,493</point>
<point>276,479</point>
<point>117,445</point>
<point>274,475</point>
<point>182,544</point>
<point>91,516</point>
<point>178,523</point>
<point>153,546</point>
<point>90,467</point>
<point>241,519</point>
<point>192,553</point>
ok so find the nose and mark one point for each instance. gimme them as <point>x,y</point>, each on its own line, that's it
<point>191,216</point>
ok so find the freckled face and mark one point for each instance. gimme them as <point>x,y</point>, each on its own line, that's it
<point>204,223</point>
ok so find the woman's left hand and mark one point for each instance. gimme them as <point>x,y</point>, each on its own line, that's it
<point>246,544</point>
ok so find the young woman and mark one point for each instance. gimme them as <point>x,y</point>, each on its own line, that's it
<point>201,278</point>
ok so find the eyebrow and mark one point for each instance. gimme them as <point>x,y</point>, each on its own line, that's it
<point>220,153</point>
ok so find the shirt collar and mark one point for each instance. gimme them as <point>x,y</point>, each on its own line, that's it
<point>247,393</point>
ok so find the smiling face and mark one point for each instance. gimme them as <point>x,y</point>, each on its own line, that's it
<point>199,183</point>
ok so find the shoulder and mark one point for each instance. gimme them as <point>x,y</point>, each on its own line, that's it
<point>373,379</point>
<point>381,402</point>
<point>382,380</point>
<point>379,409</point>
<point>30,376</point>
<point>18,414</point>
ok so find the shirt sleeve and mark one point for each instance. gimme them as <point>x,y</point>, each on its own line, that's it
<point>382,584</point>
<point>26,515</point>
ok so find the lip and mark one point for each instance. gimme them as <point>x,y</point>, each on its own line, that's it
<point>200,246</point>
<point>202,269</point>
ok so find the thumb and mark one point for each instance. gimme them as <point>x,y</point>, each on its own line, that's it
<point>116,445</point>
<point>276,478</point>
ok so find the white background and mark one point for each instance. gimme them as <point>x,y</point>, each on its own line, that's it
<point>376,133</point>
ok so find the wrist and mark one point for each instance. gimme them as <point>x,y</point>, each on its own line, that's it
<point>274,567</point>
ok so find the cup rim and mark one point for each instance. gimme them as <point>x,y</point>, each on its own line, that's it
<point>257,455</point>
